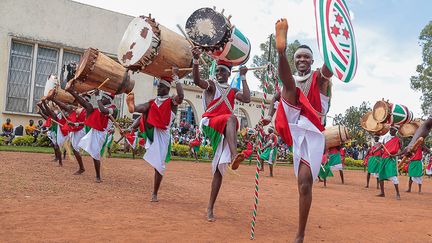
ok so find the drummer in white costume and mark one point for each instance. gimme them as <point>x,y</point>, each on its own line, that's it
<point>159,114</point>
<point>94,142</point>
<point>52,129</point>
<point>75,123</point>
<point>219,123</point>
<point>300,117</point>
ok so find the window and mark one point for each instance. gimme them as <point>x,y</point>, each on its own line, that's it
<point>68,58</point>
<point>19,80</point>
<point>46,64</point>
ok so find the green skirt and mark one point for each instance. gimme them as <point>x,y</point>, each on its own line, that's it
<point>374,164</point>
<point>415,168</point>
<point>387,168</point>
<point>334,159</point>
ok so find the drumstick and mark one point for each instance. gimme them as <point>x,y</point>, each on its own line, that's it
<point>252,68</point>
<point>103,83</point>
<point>115,123</point>
<point>414,147</point>
<point>57,122</point>
<point>119,139</point>
<point>190,42</point>
<point>180,69</point>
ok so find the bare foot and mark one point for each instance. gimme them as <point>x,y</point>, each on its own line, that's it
<point>210,216</point>
<point>154,198</point>
<point>366,186</point>
<point>281,34</point>
<point>130,102</point>
<point>398,197</point>
<point>299,238</point>
<point>79,172</point>
<point>98,180</point>
<point>60,164</point>
<point>237,160</point>
<point>381,195</point>
<point>408,190</point>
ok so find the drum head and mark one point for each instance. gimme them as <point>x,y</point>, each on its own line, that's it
<point>380,111</point>
<point>408,129</point>
<point>369,123</point>
<point>206,27</point>
<point>385,128</point>
<point>138,41</point>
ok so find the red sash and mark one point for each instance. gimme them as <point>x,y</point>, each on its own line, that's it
<point>306,110</point>
<point>418,154</point>
<point>391,147</point>
<point>160,116</point>
<point>79,119</point>
<point>222,108</point>
<point>97,120</point>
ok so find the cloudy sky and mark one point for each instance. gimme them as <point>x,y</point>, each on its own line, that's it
<point>386,31</point>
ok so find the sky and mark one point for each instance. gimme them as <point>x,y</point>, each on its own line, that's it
<point>386,33</point>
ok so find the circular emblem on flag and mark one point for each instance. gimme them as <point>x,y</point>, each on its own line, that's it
<point>335,35</point>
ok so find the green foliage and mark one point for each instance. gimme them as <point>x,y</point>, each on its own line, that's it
<point>423,80</point>
<point>26,140</point>
<point>353,162</point>
<point>263,59</point>
<point>351,120</point>
<point>115,147</point>
<point>205,151</point>
<point>124,122</point>
<point>43,141</point>
<point>2,141</point>
<point>180,150</point>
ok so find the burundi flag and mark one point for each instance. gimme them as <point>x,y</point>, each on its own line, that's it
<point>336,40</point>
<point>236,81</point>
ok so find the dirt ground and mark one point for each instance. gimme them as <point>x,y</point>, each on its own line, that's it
<point>42,202</point>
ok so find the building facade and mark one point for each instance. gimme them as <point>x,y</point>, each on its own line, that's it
<point>39,37</point>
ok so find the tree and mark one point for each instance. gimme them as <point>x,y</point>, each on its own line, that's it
<point>351,120</point>
<point>272,57</point>
<point>423,80</point>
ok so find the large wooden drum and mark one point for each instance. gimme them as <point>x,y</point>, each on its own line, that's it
<point>335,136</point>
<point>151,48</point>
<point>95,68</point>
<point>60,95</point>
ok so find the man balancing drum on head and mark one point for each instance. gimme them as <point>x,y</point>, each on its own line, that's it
<point>99,120</point>
<point>300,117</point>
<point>156,120</point>
<point>219,122</point>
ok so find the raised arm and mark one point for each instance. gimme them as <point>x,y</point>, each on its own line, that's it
<point>422,131</point>
<point>244,96</point>
<point>178,98</point>
<point>84,103</point>
<point>66,107</point>
<point>49,111</point>
<point>289,92</point>
<point>140,108</point>
<point>196,52</point>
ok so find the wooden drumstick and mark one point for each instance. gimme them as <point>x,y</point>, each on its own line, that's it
<point>115,123</point>
<point>414,147</point>
<point>180,69</point>
<point>190,42</point>
<point>103,83</point>
<point>251,69</point>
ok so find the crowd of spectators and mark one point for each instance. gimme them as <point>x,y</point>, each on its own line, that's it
<point>9,131</point>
